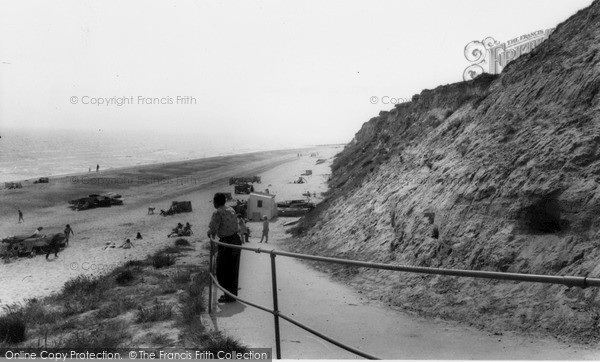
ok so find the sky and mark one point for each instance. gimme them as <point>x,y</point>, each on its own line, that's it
<point>287,72</point>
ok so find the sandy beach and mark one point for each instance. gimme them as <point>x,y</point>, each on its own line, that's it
<point>142,187</point>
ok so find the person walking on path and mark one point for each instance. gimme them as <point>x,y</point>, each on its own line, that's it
<point>54,246</point>
<point>223,224</point>
<point>20,217</point>
<point>265,233</point>
<point>68,231</point>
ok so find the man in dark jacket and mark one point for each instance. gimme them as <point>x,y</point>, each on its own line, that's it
<point>224,224</point>
<point>54,246</point>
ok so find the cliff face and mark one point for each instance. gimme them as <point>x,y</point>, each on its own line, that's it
<point>500,173</point>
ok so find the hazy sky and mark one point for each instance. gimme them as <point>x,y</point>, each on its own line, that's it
<point>293,71</point>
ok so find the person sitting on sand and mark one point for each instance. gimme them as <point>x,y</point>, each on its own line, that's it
<point>36,233</point>
<point>138,236</point>
<point>187,230</point>
<point>127,244</point>
<point>265,231</point>
<point>177,230</point>
<point>68,231</point>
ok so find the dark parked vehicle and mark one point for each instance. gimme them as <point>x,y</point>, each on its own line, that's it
<point>93,201</point>
<point>243,188</point>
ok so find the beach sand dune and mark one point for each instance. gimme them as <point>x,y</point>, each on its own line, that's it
<point>142,187</point>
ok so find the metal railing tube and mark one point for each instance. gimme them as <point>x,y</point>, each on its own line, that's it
<point>570,281</point>
<point>275,306</point>
<point>295,322</point>
<point>210,268</point>
<point>327,338</point>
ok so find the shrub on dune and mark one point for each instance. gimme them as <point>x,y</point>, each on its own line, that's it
<point>163,258</point>
<point>12,328</point>
<point>153,313</point>
<point>182,242</point>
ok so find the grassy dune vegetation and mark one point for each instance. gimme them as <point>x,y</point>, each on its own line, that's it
<point>151,303</point>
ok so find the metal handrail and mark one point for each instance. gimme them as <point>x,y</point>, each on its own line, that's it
<point>570,281</point>
<point>295,322</point>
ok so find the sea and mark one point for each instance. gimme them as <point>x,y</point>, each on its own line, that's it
<point>32,153</point>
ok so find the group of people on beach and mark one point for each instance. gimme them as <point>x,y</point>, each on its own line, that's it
<point>53,245</point>
<point>244,230</point>
<point>55,242</point>
<point>181,230</point>
<point>231,229</point>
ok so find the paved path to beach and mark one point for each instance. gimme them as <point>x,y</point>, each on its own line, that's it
<point>312,298</point>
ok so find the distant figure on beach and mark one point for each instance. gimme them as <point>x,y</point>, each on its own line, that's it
<point>68,231</point>
<point>127,244</point>
<point>89,169</point>
<point>243,229</point>
<point>223,224</point>
<point>265,231</point>
<point>138,236</point>
<point>53,246</point>
<point>97,168</point>
<point>20,217</point>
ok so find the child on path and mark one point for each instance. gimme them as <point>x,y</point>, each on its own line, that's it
<point>68,231</point>
<point>265,231</point>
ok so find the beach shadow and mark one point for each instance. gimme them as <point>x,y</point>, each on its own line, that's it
<point>229,309</point>
<point>225,310</point>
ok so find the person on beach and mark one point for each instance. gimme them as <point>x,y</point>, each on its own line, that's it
<point>176,230</point>
<point>97,168</point>
<point>68,232</point>
<point>127,244</point>
<point>187,230</point>
<point>243,229</point>
<point>223,224</point>
<point>54,246</point>
<point>138,236</point>
<point>20,217</point>
<point>36,233</point>
<point>265,231</point>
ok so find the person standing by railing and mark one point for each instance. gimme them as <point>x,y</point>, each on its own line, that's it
<point>224,224</point>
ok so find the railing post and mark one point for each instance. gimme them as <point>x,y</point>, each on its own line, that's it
<point>210,271</point>
<point>275,307</point>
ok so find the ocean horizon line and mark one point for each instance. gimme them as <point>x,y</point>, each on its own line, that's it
<point>161,162</point>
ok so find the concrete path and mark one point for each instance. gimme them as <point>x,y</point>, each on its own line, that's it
<point>312,298</point>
